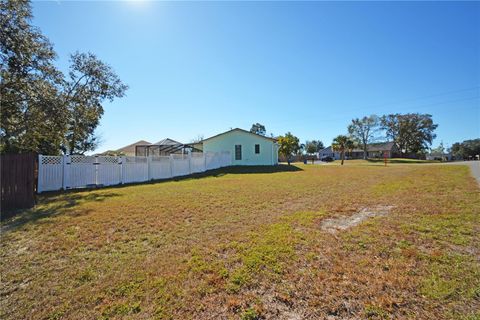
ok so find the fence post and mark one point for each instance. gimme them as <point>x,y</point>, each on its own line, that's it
<point>39,174</point>
<point>119,170</point>
<point>96,165</point>
<point>189,155</point>
<point>65,159</point>
<point>149,165</point>
<point>122,160</point>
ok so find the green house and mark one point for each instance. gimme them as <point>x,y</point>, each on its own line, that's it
<point>246,148</point>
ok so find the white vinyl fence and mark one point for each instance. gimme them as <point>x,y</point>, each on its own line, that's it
<point>69,172</point>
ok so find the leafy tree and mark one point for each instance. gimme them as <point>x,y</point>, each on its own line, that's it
<point>411,132</point>
<point>288,145</point>
<point>363,131</point>
<point>90,83</point>
<point>313,146</point>
<point>319,144</point>
<point>440,149</point>
<point>42,111</point>
<point>310,147</point>
<point>32,119</point>
<point>342,144</point>
<point>113,153</point>
<point>258,128</point>
<point>467,149</point>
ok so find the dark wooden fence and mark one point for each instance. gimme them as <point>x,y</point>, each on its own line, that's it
<point>17,182</point>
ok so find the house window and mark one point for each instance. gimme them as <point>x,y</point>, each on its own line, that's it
<point>238,152</point>
<point>257,149</point>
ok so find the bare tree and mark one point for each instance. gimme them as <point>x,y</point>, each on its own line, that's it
<point>199,138</point>
<point>363,131</point>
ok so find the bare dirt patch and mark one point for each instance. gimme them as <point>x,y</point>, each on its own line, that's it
<point>342,223</point>
<point>281,309</point>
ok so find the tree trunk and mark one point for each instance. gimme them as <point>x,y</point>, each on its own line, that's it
<point>343,156</point>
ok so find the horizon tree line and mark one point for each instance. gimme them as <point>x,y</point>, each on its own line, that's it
<point>412,133</point>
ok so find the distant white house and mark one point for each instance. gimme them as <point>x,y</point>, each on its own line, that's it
<point>328,152</point>
<point>439,156</point>
<point>245,147</point>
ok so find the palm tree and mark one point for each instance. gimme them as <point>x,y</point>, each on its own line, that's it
<point>342,143</point>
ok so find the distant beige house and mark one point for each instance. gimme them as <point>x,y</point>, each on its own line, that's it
<point>163,147</point>
<point>378,150</point>
<point>166,141</point>
<point>127,150</point>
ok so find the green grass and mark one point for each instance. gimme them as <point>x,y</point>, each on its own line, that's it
<point>250,314</point>
<point>247,243</point>
<point>267,251</point>
<point>402,161</point>
<point>381,162</point>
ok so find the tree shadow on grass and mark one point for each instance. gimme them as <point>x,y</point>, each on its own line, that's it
<point>52,205</point>
<point>230,170</point>
<point>201,175</point>
<point>218,173</point>
<point>252,169</point>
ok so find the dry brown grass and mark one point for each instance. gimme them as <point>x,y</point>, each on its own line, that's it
<point>249,245</point>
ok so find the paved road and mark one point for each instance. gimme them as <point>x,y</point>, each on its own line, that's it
<point>474,167</point>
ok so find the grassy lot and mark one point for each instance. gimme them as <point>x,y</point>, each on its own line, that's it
<point>248,244</point>
<point>402,161</point>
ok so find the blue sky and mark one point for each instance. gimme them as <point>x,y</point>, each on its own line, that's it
<point>306,67</point>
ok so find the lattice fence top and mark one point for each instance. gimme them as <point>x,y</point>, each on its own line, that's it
<point>81,159</point>
<point>108,160</point>
<point>51,159</point>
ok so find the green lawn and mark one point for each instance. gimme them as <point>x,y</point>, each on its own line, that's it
<point>402,161</point>
<point>247,243</point>
<point>390,161</point>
